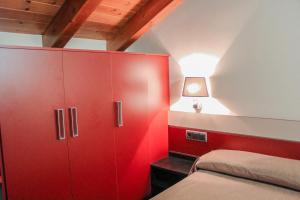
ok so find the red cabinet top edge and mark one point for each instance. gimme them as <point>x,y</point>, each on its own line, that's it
<point>83,50</point>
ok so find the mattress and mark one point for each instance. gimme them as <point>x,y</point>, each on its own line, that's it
<point>206,185</point>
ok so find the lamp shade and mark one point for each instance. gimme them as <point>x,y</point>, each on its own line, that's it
<point>195,87</point>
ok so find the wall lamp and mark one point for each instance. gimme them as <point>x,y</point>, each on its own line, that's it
<point>195,87</point>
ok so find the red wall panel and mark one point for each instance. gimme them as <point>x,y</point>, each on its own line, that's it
<point>220,140</point>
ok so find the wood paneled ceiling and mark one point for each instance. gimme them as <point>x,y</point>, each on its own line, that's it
<point>120,22</point>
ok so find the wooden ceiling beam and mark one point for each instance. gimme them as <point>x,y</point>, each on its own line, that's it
<point>147,16</point>
<point>67,22</point>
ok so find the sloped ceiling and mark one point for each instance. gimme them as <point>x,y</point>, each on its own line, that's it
<point>255,42</point>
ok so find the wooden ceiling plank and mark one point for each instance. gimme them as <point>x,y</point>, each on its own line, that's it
<point>17,26</point>
<point>104,18</point>
<point>97,35</point>
<point>68,21</point>
<point>112,11</point>
<point>51,2</point>
<point>30,6</point>
<point>116,12</point>
<point>24,15</point>
<point>93,26</point>
<point>127,5</point>
<point>149,14</point>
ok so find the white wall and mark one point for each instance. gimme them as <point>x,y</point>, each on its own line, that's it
<point>79,43</point>
<point>17,39</point>
<point>257,44</point>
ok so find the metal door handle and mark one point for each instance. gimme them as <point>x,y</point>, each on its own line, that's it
<point>60,123</point>
<point>119,113</point>
<point>74,121</point>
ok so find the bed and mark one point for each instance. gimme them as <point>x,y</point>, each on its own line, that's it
<point>237,175</point>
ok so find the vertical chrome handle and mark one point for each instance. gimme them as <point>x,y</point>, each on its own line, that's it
<point>60,122</point>
<point>74,121</point>
<point>119,114</point>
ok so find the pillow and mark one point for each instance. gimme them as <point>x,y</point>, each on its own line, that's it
<point>259,167</point>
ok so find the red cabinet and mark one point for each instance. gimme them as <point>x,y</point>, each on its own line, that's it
<point>141,83</point>
<point>31,88</point>
<point>87,78</point>
<point>81,153</point>
<point>130,86</point>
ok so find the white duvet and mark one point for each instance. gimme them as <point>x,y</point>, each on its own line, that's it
<point>204,185</point>
<point>238,175</point>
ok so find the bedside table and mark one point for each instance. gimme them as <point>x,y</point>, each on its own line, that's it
<point>168,171</point>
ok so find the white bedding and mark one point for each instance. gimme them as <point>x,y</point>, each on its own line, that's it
<point>238,175</point>
<point>204,185</point>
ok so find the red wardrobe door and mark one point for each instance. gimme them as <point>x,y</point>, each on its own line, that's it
<point>36,162</point>
<point>92,153</point>
<point>158,105</point>
<point>130,86</point>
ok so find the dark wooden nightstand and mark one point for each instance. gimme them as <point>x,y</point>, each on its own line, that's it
<point>168,171</point>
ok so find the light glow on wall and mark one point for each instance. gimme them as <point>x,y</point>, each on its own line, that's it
<point>200,65</point>
<point>197,64</point>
